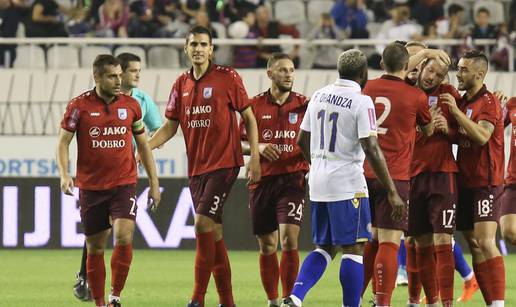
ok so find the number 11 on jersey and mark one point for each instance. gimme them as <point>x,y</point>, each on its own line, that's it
<point>333,117</point>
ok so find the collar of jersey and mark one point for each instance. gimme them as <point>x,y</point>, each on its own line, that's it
<point>273,101</point>
<point>99,99</point>
<point>348,83</point>
<point>208,70</point>
<point>481,92</point>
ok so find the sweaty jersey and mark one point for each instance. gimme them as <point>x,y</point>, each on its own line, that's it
<point>104,131</point>
<point>400,108</point>
<point>510,118</point>
<point>338,116</point>
<point>279,125</point>
<point>434,153</point>
<point>150,112</point>
<point>481,166</point>
<point>205,109</point>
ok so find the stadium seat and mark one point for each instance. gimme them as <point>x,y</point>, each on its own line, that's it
<point>82,82</point>
<point>139,51</point>
<point>30,57</point>
<point>254,81</point>
<point>89,53</point>
<point>63,57</point>
<point>495,8</point>
<point>316,7</point>
<point>290,11</point>
<point>163,57</point>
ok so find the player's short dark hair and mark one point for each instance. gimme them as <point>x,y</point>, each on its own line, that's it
<point>103,60</point>
<point>276,56</point>
<point>351,64</point>
<point>395,57</point>
<point>454,9</point>
<point>483,10</point>
<point>199,30</point>
<point>477,56</point>
<point>125,58</point>
<point>398,41</point>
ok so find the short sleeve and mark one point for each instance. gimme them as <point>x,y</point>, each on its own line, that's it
<point>423,116</point>
<point>305,124</point>
<point>152,118</point>
<point>366,119</point>
<point>237,93</point>
<point>71,117</point>
<point>137,126</point>
<point>509,106</point>
<point>489,111</point>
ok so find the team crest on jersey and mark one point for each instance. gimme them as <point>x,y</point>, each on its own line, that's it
<point>432,100</point>
<point>122,114</point>
<point>207,92</point>
<point>469,112</point>
<point>292,118</point>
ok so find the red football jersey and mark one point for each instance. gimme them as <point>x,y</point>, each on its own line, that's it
<point>399,109</point>
<point>481,166</point>
<point>434,153</point>
<point>510,118</point>
<point>279,125</point>
<point>105,157</point>
<point>205,109</point>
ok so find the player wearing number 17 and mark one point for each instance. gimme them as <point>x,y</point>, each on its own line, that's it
<point>337,133</point>
<point>105,122</point>
<point>400,108</point>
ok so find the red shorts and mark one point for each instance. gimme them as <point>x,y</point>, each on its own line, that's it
<point>478,205</point>
<point>433,199</point>
<point>209,191</point>
<point>509,200</point>
<point>381,209</point>
<point>97,206</point>
<point>277,200</point>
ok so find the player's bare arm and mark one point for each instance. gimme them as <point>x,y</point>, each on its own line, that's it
<point>377,162</point>
<point>164,133</point>
<point>267,150</point>
<point>303,140</point>
<point>254,169</point>
<point>478,132</point>
<point>63,145</point>
<point>150,168</point>
<point>424,54</point>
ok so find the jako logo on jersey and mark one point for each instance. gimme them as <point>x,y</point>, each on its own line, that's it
<point>201,109</point>
<point>122,114</point>
<point>267,134</point>
<point>287,134</point>
<point>267,117</point>
<point>114,130</point>
<point>206,93</point>
<point>95,114</point>
<point>94,132</point>
<point>292,118</point>
<point>432,100</point>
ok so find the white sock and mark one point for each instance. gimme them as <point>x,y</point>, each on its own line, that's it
<point>274,302</point>
<point>498,304</point>
<point>296,300</point>
<point>112,297</point>
<point>469,277</point>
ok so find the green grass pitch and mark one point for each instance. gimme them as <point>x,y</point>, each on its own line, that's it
<point>164,278</point>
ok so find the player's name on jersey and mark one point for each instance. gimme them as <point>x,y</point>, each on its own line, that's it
<point>333,99</point>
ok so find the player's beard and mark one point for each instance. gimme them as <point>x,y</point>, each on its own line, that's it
<point>284,88</point>
<point>111,93</point>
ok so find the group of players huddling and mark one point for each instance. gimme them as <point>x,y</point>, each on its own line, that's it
<point>404,123</point>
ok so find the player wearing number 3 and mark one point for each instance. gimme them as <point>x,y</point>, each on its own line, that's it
<point>400,108</point>
<point>337,133</point>
<point>276,202</point>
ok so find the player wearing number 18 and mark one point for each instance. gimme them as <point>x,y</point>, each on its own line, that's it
<point>337,133</point>
<point>400,108</point>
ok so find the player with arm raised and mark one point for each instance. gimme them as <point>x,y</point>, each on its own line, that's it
<point>203,101</point>
<point>337,133</point>
<point>400,108</point>
<point>105,122</point>
<point>480,159</point>
<point>276,202</point>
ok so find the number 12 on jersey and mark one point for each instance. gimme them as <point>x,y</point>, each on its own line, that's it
<point>333,117</point>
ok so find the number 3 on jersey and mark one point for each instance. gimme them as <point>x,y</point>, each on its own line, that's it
<point>386,110</point>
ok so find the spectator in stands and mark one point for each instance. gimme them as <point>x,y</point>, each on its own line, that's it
<point>512,20</point>
<point>350,16</point>
<point>170,19</point>
<point>482,27</point>
<point>141,21</point>
<point>426,12</point>
<point>451,27</point>
<point>268,28</point>
<point>202,19</point>
<point>325,56</point>
<point>191,7</point>
<point>113,18</point>
<point>11,15</point>
<point>245,56</point>
<point>237,8</point>
<point>46,20</point>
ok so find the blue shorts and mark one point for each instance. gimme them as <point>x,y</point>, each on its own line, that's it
<point>345,222</point>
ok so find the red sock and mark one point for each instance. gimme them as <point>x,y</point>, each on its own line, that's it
<point>120,263</point>
<point>482,275</point>
<point>222,274</point>
<point>96,277</point>
<point>385,271</point>
<point>426,269</point>
<point>204,261</point>
<point>414,283</point>
<point>370,250</point>
<point>269,273</point>
<point>496,275</point>
<point>445,272</point>
<point>289,267</point>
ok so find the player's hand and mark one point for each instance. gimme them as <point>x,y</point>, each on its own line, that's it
<point>398,206</point>
<point>439,55</point>
<point>269,151</point>
<point>503,99</point>
<point>67,185</point>
<point>449,100</point>
<point>154,198</point>
<point>253,171</point>
<point>435,111</point>
<point>441,124</point>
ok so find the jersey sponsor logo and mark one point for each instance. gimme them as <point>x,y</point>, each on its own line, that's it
<point>285,134</point>
<point>107,143</point>
<point>267,117</point>
<point>198,110</point>
<point>94,132</point>
<point>207,92</point>
<point>95,114</point>
<point>114,130</point>
<point>267,134</point>
<point>469,112</point>
<point>292,117</point>
<point>198,123</point>
<point>284,147</point>
<point>432,100</point>
<point>122,113</point>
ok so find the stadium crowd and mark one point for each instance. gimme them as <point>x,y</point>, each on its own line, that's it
<point>340,20</point>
